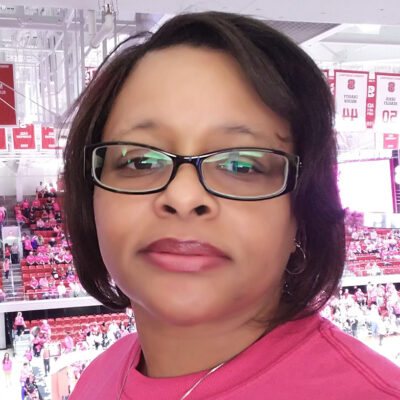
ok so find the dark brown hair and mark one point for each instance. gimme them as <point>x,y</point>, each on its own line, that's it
<point>290,83</point>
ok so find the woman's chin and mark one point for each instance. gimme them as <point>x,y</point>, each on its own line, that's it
<point>177,310</point>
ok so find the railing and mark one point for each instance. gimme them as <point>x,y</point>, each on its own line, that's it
<point>41,295</point>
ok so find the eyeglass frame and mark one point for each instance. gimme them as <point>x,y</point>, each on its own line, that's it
<point>293,171</point>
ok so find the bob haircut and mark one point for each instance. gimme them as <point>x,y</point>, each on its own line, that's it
<point>288,82</point>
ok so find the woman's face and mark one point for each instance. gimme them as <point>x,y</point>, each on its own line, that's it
<point>181,100</point>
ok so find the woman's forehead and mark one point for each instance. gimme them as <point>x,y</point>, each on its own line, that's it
<point>192,90</point>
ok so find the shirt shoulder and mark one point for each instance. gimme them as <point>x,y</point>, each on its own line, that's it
<point>103,377</point>
<point>361,362</point>
<point>311,359</point>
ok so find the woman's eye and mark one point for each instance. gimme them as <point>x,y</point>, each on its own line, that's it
<point>141,163</point>
<point>242,167</point>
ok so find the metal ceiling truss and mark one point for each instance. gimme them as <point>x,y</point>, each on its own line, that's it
<point>50,49</point>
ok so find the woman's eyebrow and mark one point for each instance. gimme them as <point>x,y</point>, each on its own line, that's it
<point>150,124</point>
<point>239,129</point>
<point>145,125</point>
<point>250,131</point>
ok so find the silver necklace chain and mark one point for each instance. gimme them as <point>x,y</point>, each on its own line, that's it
<point>201,380</point>
<point>186,394</point>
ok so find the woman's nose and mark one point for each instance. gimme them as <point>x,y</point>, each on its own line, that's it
<point>185,196</point>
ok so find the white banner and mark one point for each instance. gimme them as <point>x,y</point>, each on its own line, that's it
<point>351,89</point>
<point>387,116</point>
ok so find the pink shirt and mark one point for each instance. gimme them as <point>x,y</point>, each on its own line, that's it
<point>6,265</point>
<point>45,328</point>
<point>30,259</point>
<point>34,283</point>
<point>20,217</point>
<point>28,355</point>
<point>25,372</point>
<point>43,282</point>
<point>7,365</point>
<point>68,342</point>
<point>38,259</point>
<point>307,359</point>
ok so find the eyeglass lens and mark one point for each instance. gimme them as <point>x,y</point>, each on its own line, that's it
<point>242,173</point>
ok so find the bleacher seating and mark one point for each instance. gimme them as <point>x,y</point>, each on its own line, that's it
<point>361,265</point>
<point>59,326</point>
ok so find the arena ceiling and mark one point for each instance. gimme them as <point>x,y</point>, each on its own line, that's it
<point>49,40</point>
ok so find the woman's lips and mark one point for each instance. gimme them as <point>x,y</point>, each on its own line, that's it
<point>184,255</point>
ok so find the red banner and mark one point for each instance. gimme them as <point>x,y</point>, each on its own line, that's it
<point>387,103</point>
<point>7,98</point>
<point>24,138</point>
<point>390,141</point>
<point>351,89</point>
<point>3,139</point>
<point>48,138</point>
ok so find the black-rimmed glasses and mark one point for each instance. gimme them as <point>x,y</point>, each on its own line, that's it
<point>242,173</point>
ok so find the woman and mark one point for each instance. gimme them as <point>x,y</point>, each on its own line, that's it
<point>25,208</point>
<point>68,343</point>
<point>28,355</point>
<point>40,240</point>
<point>14,253</point>
<point>31,388</point>
<point>6,267</point>
<point>7,251</point>
<point>44,287</point>
<point>225,267</point>
<point>26,371</point>
<point>39,259</point>
<point>19,323</point>
<point>27,245</point>
<point>7,369</point>
<point>31,258</point>
<point>40,224</point>
<point>59,257</point>
<point>69,271</point>
<point>21,219</point>
<point>34,283</point>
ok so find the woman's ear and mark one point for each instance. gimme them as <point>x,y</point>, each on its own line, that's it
<point>295,235</point>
